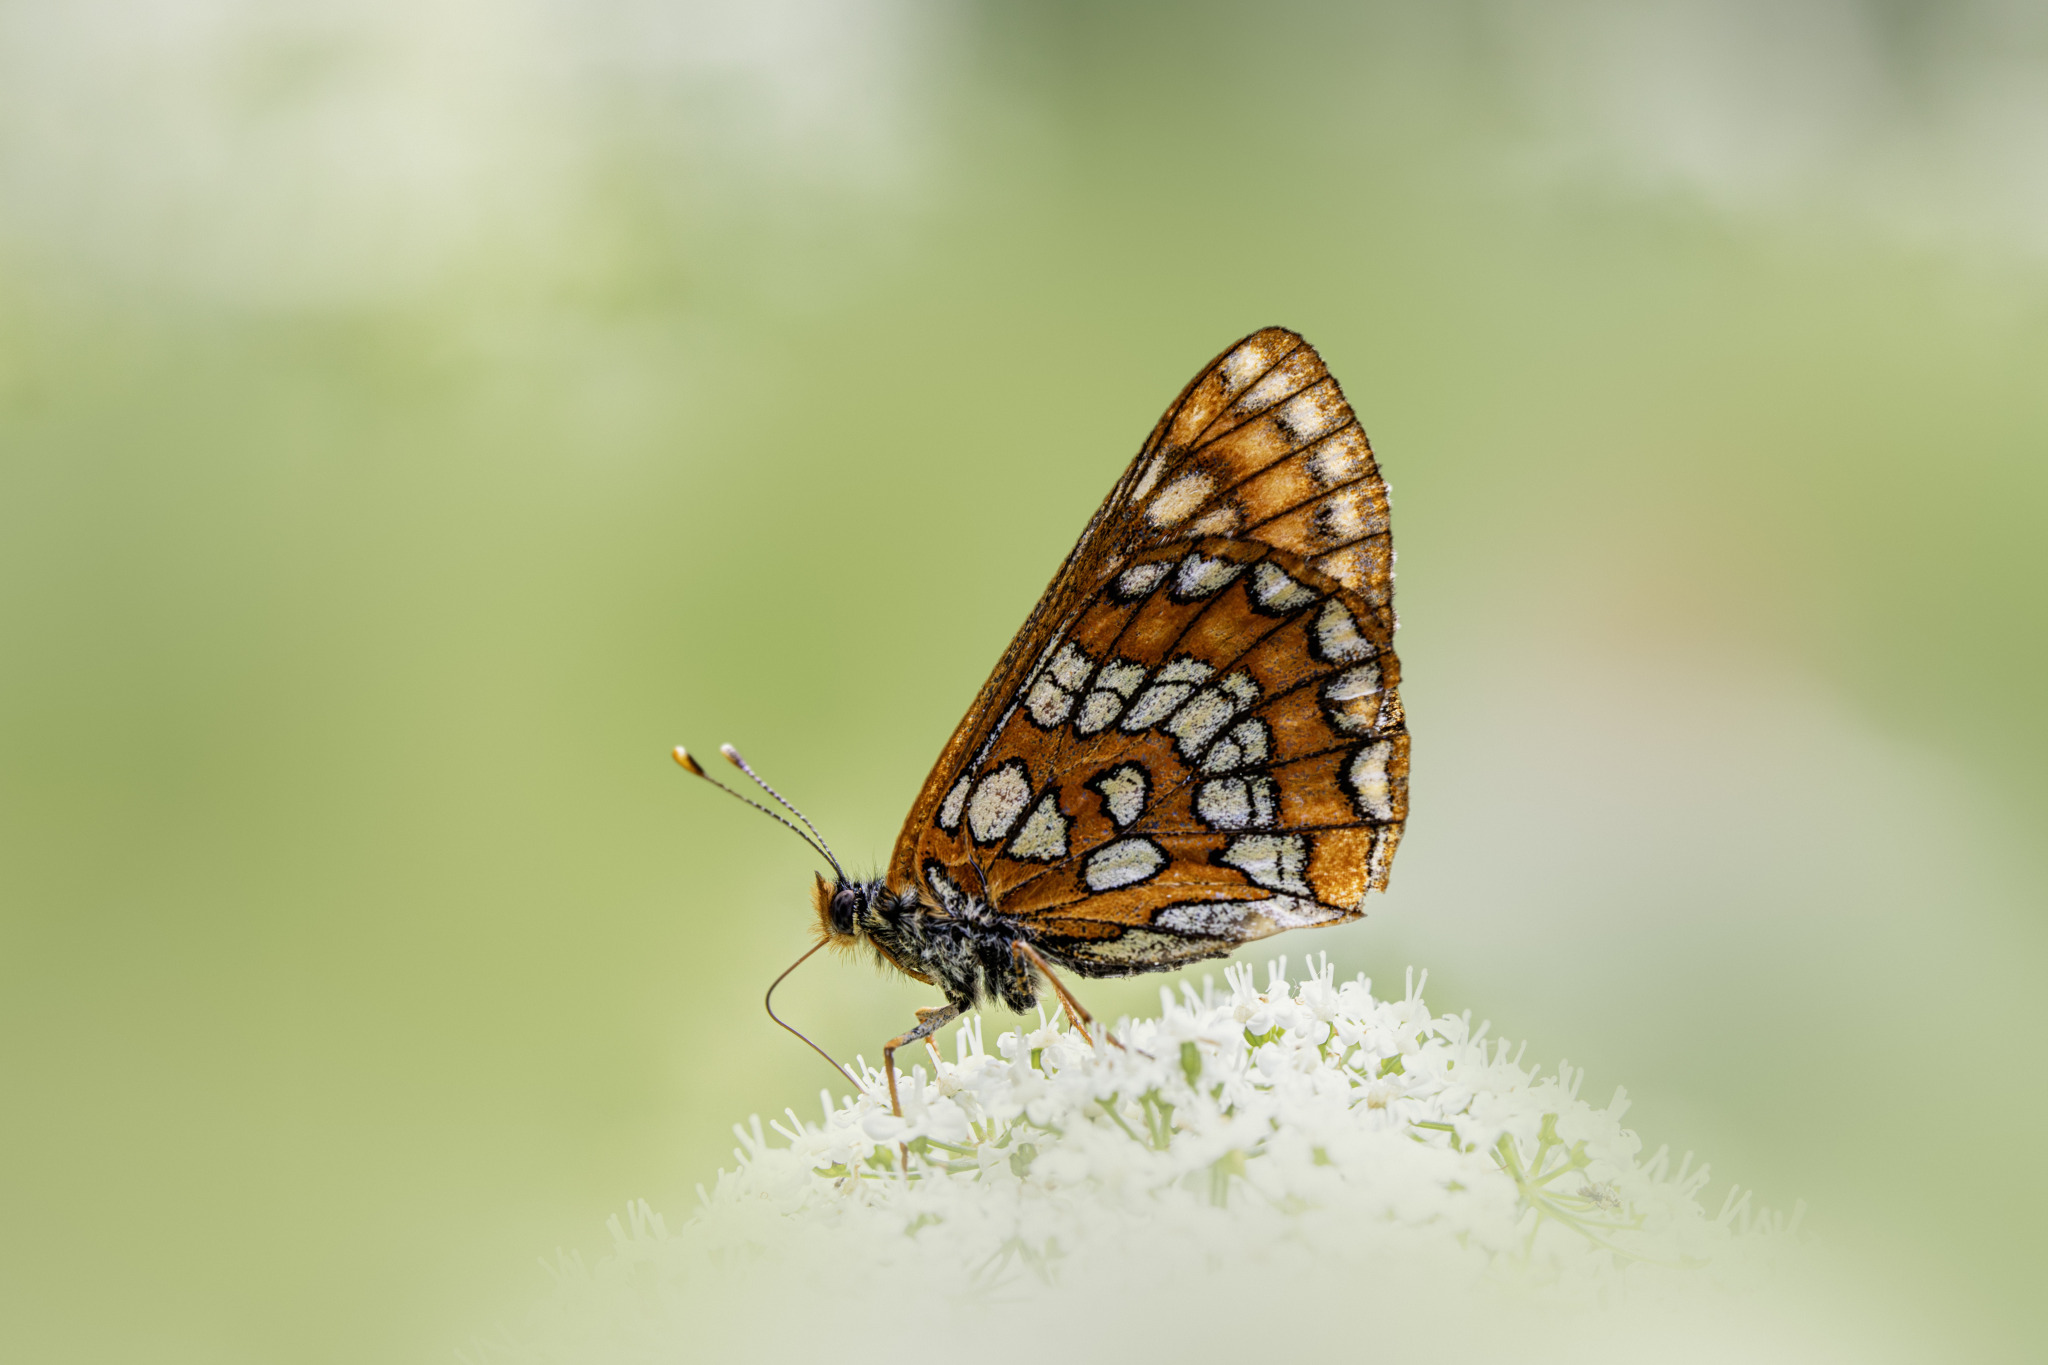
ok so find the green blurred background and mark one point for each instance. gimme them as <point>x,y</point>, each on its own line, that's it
<point>415,417</point>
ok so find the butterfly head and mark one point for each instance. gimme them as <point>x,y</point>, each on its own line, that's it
<point>854,915</point>
<point>847,910</point>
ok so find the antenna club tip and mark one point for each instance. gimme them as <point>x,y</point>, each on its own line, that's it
<point>689,764</point>
<point>732,756</point>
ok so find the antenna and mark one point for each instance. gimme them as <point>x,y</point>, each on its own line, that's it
<point>689,765</point>
<point>818,845</point>
<point>732,756</point>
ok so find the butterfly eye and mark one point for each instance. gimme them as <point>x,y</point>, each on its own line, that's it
<point>845,907</point>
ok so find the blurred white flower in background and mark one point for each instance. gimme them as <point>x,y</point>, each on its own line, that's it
<point>1246,1148</point>
<point>1925,123</point>
<point>326,154</point>
<point>320,153</point>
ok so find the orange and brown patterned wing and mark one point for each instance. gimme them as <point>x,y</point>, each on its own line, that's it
<point>1196,739</point>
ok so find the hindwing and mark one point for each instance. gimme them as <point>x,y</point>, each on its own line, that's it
<point>1197,738</point>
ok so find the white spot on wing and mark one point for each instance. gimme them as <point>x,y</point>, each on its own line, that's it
<point>949,813</point>
<point>1269,390</point>
<point>1209,710</point>
<point>1275,861</point>
<point>1354,698</point>
<point>1215,919</point>
<point>1178,499</point>
<point>1124,791</point>
<point>1276,591</point>
<point>1382,852</point>
<point>1117,681</point>
<point>1052,696</point>
<point>1247,745</point>
<point>1174,682</point>
<point>1048,705</point>
<point>1342,515</point>
<point>1140,579</point>
<point>1150,477</point>
<point>1099,711</point>
<point>1072,666</point>
<point>1242,920</point>
<point>1340,459</point>
<point>1044,836</point>
<point>1363,681</point>
<point>1200,576</point>
<point>1196,723</point>
<point>1307,416</point>
<point>1243,365</point>
<point>1051,646</point>
<point>1122,676</point>
<point>1221,522</point>
<point>997,802</point>
<point>1237,802</point>
<point>1371,789</point>
<point>1338,637</point>
<point>1353,567</point>
<point>1155,704</point>
<point>1123,863</point>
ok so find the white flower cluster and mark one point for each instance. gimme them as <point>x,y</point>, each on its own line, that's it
<point>1308,1138</point>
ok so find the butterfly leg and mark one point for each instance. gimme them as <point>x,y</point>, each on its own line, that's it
<point>1082,1018</point>
<point>926,1011</point>
<point>930,1019</point>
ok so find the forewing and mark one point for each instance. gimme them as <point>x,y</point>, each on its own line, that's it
<point>1236,582</point>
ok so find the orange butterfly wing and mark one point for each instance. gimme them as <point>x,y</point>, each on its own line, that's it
<point>1196,739</point>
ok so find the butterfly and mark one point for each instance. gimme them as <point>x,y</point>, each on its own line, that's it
<point>1196,739</point>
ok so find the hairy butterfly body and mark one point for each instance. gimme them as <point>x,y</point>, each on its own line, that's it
<point>1196,740</point>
